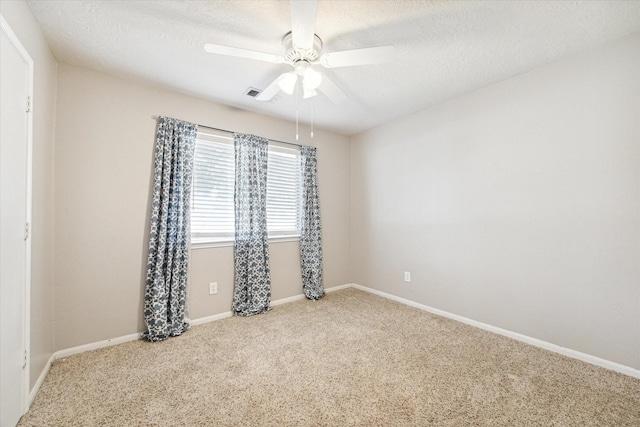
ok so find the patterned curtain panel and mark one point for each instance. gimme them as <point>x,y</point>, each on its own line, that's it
<point>168,263</point>
<point>310,230</point>
<point>252,292</point>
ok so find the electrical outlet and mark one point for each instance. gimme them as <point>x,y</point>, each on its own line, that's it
<point>213,288</point>
<point>407,277</point>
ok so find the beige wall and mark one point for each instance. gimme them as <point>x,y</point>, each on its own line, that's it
<point>19,17</point>
<point>517,205</point>
<point>104,150</point>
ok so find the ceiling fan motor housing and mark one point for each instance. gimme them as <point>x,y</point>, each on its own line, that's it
<point>294,54</point>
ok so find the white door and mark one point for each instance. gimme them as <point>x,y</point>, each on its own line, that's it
<point>14,210</point>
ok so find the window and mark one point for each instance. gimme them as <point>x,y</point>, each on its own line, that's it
<point>284,192</point>
<point>212,217</point>
<point>212,210</point>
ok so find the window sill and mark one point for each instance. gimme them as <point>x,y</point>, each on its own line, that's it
<point>226,243</point>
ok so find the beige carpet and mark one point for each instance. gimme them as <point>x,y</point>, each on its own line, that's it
<point>351,358</point>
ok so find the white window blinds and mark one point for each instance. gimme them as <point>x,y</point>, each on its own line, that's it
<point>212,217</point>
<point>284,192</point>
<point>212,210</point>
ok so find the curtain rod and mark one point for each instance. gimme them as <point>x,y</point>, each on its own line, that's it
<point>228,131</point>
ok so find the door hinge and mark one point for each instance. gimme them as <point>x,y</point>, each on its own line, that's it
<point>24,363</point>
<point>26,231</point>
<point>28,104</point>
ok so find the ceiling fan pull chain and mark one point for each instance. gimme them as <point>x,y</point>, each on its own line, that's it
<point>312,122</point>
<point>297,103</point>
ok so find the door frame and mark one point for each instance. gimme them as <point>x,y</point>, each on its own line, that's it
<point>13,38</point>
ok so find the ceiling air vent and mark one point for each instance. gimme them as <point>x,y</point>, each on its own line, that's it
<point>253,92</point>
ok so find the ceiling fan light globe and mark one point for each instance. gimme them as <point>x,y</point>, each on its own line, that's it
<point>308,92</point>
<point>312,78</point>
<point>288,83</point>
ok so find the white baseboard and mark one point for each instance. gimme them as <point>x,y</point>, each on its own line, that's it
<point>287,300</point>
<point>203,320</point>
<point>207,319</point>
<point>96,345</point>
<point>38,384</point>
<point>339,288</point>
<point>627,370</point>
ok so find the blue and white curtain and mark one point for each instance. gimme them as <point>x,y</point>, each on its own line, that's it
<point>169,239</point>
<point>252,292</point>
<point>310,230</point>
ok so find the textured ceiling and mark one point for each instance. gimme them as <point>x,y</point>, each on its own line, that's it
<point>443,48</point>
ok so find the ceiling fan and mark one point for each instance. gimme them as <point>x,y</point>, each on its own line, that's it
<point>302,52</point>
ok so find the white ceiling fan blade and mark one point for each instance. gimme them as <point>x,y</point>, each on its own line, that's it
<point>242,53</point>
<point>331,91</point>
<point>303,23</point>
<point>348,58</point>
<point>272,89</point>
